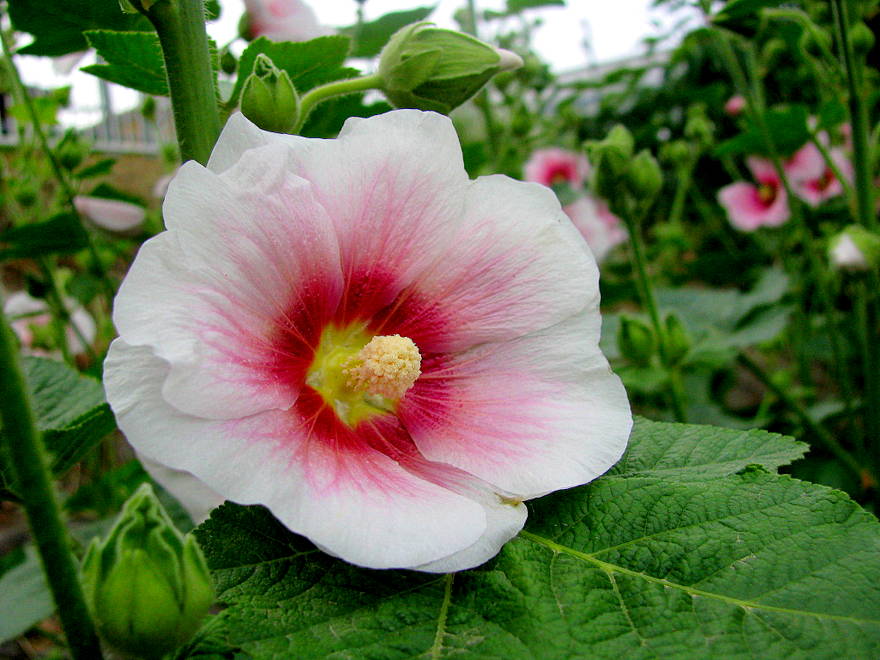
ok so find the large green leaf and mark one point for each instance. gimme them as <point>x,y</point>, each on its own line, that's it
<point>309,63</point>
<point>133,59</point>
<point>787,127</point>
<point>58,25</point>
<point>370,37</point>
<point>61,234</point>
<point>24,595</point>
<point>687,548</point>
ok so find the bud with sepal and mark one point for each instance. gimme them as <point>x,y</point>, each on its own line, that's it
<point>636,341</point>
<point>269,98</point>
<point>677,340</point>
<point>644,179</point>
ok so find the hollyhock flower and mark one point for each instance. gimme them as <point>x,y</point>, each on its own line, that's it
<point>811,177</point>
<point>602,230</point>
<point>751,206</point>
<point>29,316</point>
<point>735,105</point>
<point>283,20</point>
<point>389,356</point>
<point>553,166</point>
<point>110,214</point>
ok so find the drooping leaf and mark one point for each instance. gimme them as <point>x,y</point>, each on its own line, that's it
<point>308,63</point>
<point>686,549</point>
<point>60,234</point>
<point>58,25</point>
<point>133,59</point>
<point>24,596</point>
<point>98,168</point>
<point>370,37</point>
<point>787,127</point>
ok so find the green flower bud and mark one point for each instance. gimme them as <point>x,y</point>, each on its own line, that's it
<point>610,159</point>
<point>636,342</point>
<point>269,99</point>
<point>148,108</point>
<point>643,177</point>
<point>677,152</point>
<point>147,585</point>
<point>855,249</point>
<point>861,37</point>
<point>698,127</point>
<point>70,151</point>
<point>677,339</point>
<point>429,68</point>
<point>26,194</point>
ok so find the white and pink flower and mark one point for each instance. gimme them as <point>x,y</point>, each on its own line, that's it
<point>389,356</point>
<point>751,206</point>
<point>29,316</point>
<point>553,166</point>
<point>812,179</point>
<point>601,229</point>
<point>735,105</point>
<point>283,20</point>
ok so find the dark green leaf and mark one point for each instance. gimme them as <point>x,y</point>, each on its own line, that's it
<point>743,16</point>
<point>516,6</point>
<point>788,129</point>
<point>690,547</point>
<point>370,38</point>
<point>133,59</point>
<point>327,120</point>
<point>61,234</point>
<point>24,595</point>
<point>308,64</point>
<point>58,25</point>
<point>98,168</point>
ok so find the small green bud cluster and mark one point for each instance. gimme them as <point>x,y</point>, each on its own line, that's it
<point>269,98</point>
<point>639,344</point>
<point>147,585</point>
<point>430,68</point>
<point>616,172</point>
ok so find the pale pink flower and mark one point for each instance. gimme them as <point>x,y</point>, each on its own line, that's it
<point>811,177</point>
<point>110,214</point>
<point>602,230</point>
<point>751,206</point>
<point>553,166</point>
<point>735,105</point>
<point>389,356</point>
<point>27,313</point>
<point>161,185</point>
<point>283,20</point>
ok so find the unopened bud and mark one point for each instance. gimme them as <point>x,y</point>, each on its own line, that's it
<point>643,177</point>
<point>430,68</point>
<point>677,152</point>
<point>698,127</point>
<point>636,342</point>
<point>677,340</point>
<point>855,249</point>
<point>861,37</point>
<point>147,585</point>
<point>269,99</point>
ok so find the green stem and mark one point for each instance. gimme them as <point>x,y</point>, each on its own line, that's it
<point>180,25</point>
<point>337,88</point>
<point>23,97</point>
<point>859,116</point>
<point>865,475</point>
<point>681,189</point>
<point>27,459</point>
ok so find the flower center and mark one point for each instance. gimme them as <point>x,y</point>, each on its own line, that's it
<point>766,193</point>
<point>360,375</point>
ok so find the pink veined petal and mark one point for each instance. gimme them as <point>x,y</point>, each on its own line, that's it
<point>549,166</point>
<point>318,477</point>
<point>515,265</point>
<point>747,211</point>
<point>110,214</point>
<point>234,296</point>
<point>763,171</point>
<point>530,416</point>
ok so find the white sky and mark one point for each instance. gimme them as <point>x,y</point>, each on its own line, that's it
<point>615,29</point>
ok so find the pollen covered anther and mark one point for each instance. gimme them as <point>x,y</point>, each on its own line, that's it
<point>387,366</point>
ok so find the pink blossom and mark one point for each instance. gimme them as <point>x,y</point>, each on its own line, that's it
<point>389,356</point>
<point>110,214</point>
<point>751,206</point>
<point>597,224</point>
<point>27,314</point>
<point>553,165</point>
<point>735,105</point>
<point>811,177</point>
<point>283,20</point>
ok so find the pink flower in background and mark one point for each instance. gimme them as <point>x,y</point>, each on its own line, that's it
<point>597,224</point>
<point>28,315</point>
<point>283,20</point>
<point>389,356</point>
<point>811,177</point>
<point>735,105</point>
<point>751,206</point>
<point>552,166</point>
<point>110,214</point>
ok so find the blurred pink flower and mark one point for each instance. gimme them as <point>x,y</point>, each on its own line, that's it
<point>735,105</point>
<point>751,206</point>
<point>283,20</point>
<point>110,214</point>
<point>389,356</point>
<point>553,165</point>
<point>810,176</point>
<point>597,224</point>
<point>34,313</point>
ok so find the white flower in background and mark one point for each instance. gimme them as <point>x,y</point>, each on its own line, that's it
<point>283,20</point>
<point>601,229</point>
<point>30,317</point>
<point>110,214</point>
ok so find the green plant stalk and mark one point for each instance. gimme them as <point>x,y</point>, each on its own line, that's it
<point>27,458</point>
<point>864,474</point>
<point>682,186</point>
<point>332,89</point>
<point>180,25</point>
<point>22,96</point>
